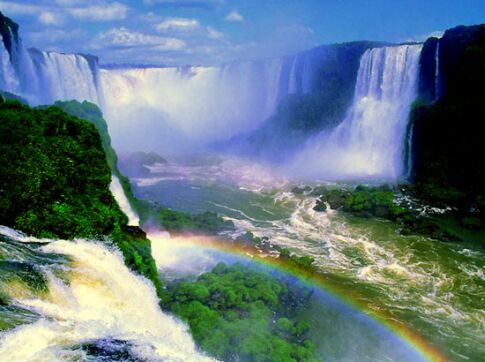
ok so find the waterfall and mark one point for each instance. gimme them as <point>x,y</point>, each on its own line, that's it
<point>65,77</point>
<point>8,79</point>
<point>437,85</point>
<point>123,202</point>
<point>46,77</point>
<point>93,302</point>
<point>370,142</point>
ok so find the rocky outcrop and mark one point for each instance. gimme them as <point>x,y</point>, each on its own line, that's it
<point>9,32</point>
<point>448,152</point>
<point>302,113</point>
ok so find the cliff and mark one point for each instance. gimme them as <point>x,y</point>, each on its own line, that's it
<point>9,32</point>
<point>448,152</point>
<point>55,177</point>
<point>306,112</point>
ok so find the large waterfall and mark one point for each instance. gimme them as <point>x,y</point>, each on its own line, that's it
<point>171,109</point>
<point>369,143</point>
<point>180,106</point>
<point>46,77</point>
<point>176,107</point>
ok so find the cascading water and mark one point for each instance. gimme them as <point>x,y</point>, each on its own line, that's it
<point>120,197</point>
<point>196,105</point>
<point>369,143</point>
<point>92,304</point>
<point>437,83</point>
<point>65,77</point>
<point>46,77</point>
<point>8,79</point>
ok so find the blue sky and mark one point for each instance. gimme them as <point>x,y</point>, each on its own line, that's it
<point>216,31</point>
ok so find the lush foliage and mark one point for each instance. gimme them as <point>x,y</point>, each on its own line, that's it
<point>181,222</point>
<point>237,314</point>
<point>363,201</point>
<point>54,180</point>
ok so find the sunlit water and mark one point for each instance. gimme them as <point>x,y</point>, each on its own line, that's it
<point>434,287</point>
<point>77,301</point>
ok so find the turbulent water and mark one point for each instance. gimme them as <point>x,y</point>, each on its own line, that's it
<point>436,288</point>
<point>77,300</point>
<point>92,307</point>
<point>369,143</point>
<point>120,197</point>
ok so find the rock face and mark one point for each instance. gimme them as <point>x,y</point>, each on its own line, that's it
<point>427,85</point>
<point>303,112</point>
<point>8,31</point>
<point>448,152</point>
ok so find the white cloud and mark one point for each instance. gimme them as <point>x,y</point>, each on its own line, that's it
<point>107,12</point>
<point>50,18</point>
<point>123,38</point>
<point>187,28</point>
<point>11,8</point>
<point>214,34</point>
<point>177,24</point>
<point>234,17</point>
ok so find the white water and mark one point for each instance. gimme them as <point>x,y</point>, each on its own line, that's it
<point>369,143</point>
<point>123,202</point>
<point>101,300</point>
<point>176,107</point>
<point>8,79</point>
<point>65,77</point>
<point>437,84</point>
<point>46,77</point>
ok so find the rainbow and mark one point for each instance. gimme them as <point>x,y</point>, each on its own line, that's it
<point>350,298</point>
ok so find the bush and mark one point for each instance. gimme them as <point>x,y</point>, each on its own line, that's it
<point>237,314</point>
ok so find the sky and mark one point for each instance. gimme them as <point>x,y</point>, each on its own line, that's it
<point>205,32</point>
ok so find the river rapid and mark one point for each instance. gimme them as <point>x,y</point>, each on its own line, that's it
<point>433,287</point>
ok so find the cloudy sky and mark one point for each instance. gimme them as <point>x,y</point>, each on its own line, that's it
<point>215,31</point>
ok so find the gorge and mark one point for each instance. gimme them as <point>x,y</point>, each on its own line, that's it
<point>254,224</point>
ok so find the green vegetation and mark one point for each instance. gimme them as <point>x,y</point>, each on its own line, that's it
<point>7,96</point>
<point>452,225</point>
<point>237,314</point>
<point>91,113</point>
<point>305,262</point>
<point>54,182</point>
<point>179,222</point>
<point>362,201</point>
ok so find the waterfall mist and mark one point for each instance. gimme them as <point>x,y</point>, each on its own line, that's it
<point>184,109</point>
<point>369,143</point>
